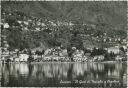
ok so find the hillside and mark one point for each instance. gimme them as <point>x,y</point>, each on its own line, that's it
<point>94,23</point>
<point>111,13</point>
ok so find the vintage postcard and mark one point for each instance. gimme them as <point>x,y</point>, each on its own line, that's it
<point>63,44</point>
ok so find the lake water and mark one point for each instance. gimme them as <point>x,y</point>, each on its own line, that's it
<point>63,74</point>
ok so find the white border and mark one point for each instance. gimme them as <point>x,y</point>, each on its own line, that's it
<point>67,0</point>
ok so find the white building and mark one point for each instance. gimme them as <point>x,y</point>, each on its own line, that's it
<point>115,50</point>
<point>99,58</point>
<point>23,57</point>
<point>6,25</point>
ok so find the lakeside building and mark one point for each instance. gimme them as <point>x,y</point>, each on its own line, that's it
<point>115,50</point>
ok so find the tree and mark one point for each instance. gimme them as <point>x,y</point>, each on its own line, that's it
<point>122,49</point>
<point>77,42</point>
<point>15,39</point>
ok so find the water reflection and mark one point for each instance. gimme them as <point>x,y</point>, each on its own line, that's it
<point>50,74</point>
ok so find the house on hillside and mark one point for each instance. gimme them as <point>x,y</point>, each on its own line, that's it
<point>63,53</point>
<point>115,50</point>
<point>23,57</point>
<point>17,59</point>
<point>98,58</point>
<point>78,55</point>
<point>120,58</point>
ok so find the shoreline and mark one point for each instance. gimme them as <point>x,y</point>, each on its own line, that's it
<point>66,62</point>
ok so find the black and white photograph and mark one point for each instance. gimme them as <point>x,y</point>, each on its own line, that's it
<point>63,44</point>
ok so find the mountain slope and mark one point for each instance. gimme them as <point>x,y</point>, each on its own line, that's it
<point>112,13</point>
<point>93,22</point>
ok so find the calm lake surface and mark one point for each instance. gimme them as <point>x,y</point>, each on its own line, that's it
<point>63,74</point>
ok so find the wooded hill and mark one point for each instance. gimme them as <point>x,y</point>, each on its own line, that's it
<point>107,17</point>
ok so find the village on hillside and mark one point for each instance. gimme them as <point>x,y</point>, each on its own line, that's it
<point>27,39</point>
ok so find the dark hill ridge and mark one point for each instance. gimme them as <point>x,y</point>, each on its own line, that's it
<point>111,13</point>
